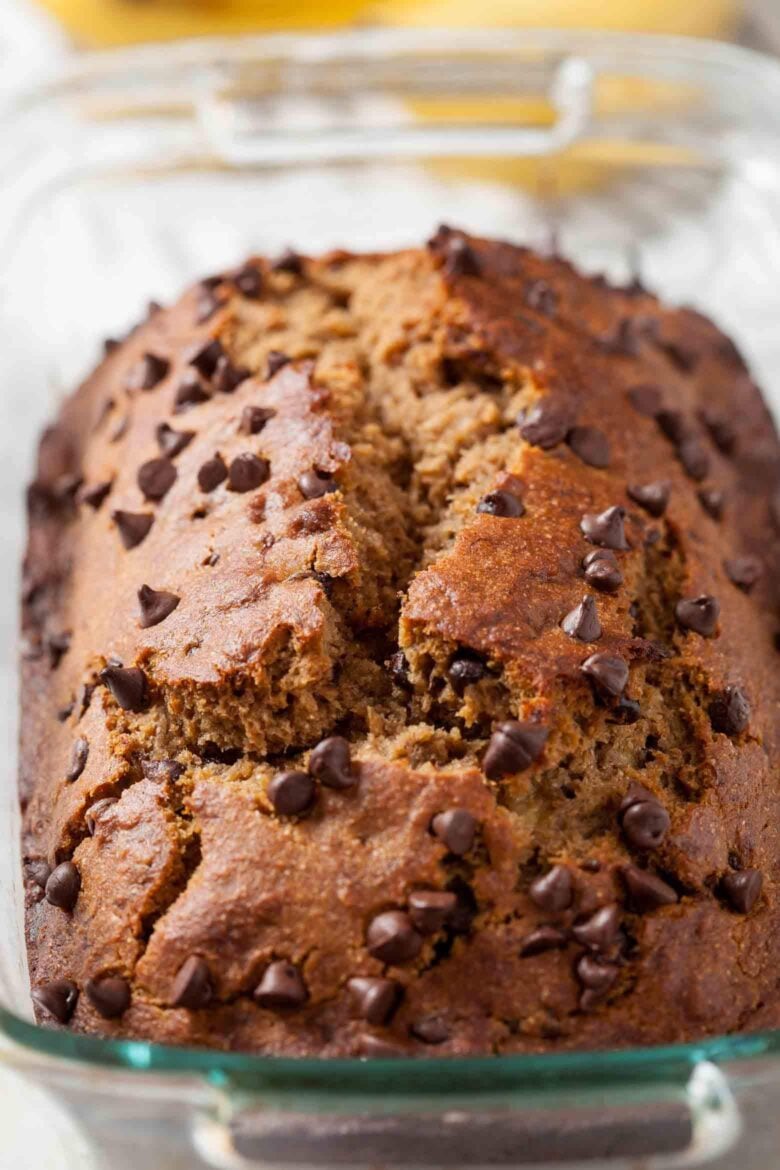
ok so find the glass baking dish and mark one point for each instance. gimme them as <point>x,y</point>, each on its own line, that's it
<point>127,175</point>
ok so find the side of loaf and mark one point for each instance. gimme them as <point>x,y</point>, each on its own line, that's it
<point>400,668</point>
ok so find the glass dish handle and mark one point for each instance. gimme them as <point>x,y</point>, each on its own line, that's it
<point>696,1125</point>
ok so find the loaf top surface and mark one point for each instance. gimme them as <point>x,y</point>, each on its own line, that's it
<point>507,540</point>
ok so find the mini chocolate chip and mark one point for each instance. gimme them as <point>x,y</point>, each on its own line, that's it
<point>247,472</point>
<point>744,572</point>
<point>147,373</point>
<point>156,477</point>
<point>545,425</point>
<point>204,356</point>
<point>541,297</point>
<point>431,1030</point>
<point>391,937</point>
<point>553,891</point>
<point>110,344</point>
<point>730,711</point>
<point>314,484</point>
<point>713,502</point>
<point>95,494</point>
<point>699,614</point>
<point>582,622</point>
<point>172,442</point>
<point>544,938</point>
<point>429,910</point>
<point>276,360</point>
<point>212,473</point>
<point>288,261</point>
<point>646,891</point>
<point>607,672</point>
<point>62,888</point>
<point>684,356</point>
<point>330,763</point>
<point>192,986</point>
<point>166,771</point>
<point>653,497</point>
<point>694,458</point>
<point>513,747</point>
<point>128,686</point>
<point>291,793</point>
<point>460,259</point>
<point>646,400</point>
<point>721,429</point>
<point>58,999</point>
<point>501,503</point>
<point>625,711</point>
<point>399,669</point>
<point>228,377</point>
<point>375,1048</point>
<point>78,760</point>
<point>742,890</point>
<point>645,824</point>
<point>133,527</point>
<point>465,669</point>
<point>156,605</point>
<point>281,987</point>
<point>600,930</point>
<point>590,445</point>
<point>39,872</point>
<point>95,812</point>
<point>596,975</point>
<point>456,828</point>
<point>606,529</point>
<point>674,425</point>
<point>254,418</point>
<point>110,997</point>
<point>601,570</point>
<point>190,391</point>
<point>375,999</point>
<point>622,338</point>
<point>249,282</point>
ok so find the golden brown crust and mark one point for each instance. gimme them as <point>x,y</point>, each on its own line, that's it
<point>619,885</point>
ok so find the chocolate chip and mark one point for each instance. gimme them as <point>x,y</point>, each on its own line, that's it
<point>431,1030</point>
<point>62,888</point>
<point>646,400</point>
<point>204,356</point>
<point>314,484</point>
<point>694,458</point>
<point>375,999</point>
<point>228,377</point>
<point>501,503</point>
<point>645,823</point>
<point>465,669</point>
<point>622,339</point>
<point>674,425</point>
<point>625,711</point>
<point>172,442</point>
<point>606,529</point>
<point>57,645</point>
<point>95,812</point>
<point>109,345</point>
<point>78,760</point>
<point>699,614</point>
<point>590,445</point>
<point>460,259</point>
<point>254,418</point>
<point>110,997</point>
<point>597,976</point>
<point>281,987</point>
<point>374,1048</point>
<point>713,502</point>
<point>247,472</point>
<point>399,669</point>
<point>58,999</point>
<point>192,986</point>
<point>276,360</point>
<point>391,937</point>
<point>166,771</point>
<point>653,497</point>
<point>513,747</point>
<point>156,605</point>
<point>730,711</point>
<point>212,473</point>
<point>742,890</point>
<point>330,763</point>
<point>207,302</point>
<point>147,373</point>
<point>249,282</point>
<point>456,828</point>
<point>39,871</point>
<point>600,930</point>
<point>582,622</point>
<point>646,891</point>
<point>721,429</point>
<point>289,261</point>
<point>133,527</point>
<point>190,391</point>
<point>601,570</point>
<point>545,425</point>
<point>608,673</point>
<point>95,494</point>
<point>544,938</point>
<point>553,891</point>
<point>541,297</point>
<point>128,686</point>
<point>291,793</point>
<point>429,910</point>
<point>156,477</point>
<point>684,356</point>
<point>744,572</point>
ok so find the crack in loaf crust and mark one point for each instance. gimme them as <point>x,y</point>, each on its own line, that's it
<point>548,818</point>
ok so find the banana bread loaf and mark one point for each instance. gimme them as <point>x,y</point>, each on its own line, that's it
<point>401,668</point>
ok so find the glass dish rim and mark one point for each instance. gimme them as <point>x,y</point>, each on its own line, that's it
<point>335,1076</point>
